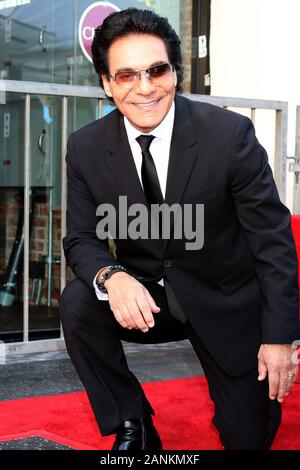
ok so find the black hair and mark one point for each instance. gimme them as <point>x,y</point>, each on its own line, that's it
<point>135,21</point>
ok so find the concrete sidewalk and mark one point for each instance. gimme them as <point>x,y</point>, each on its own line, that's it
<point>52,372</point>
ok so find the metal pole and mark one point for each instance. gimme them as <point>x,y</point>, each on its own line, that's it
<point>75,39</point>
<point>253,112</point>
<point>50,247</point>
<point>64,135</point>
<point>27,194</point>
<point>296,167</point>
<point>100,108</point>
<point>57,89</point>
<point>281,152</point>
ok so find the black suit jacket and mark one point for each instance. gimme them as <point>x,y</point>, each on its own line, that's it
<point>241,288</point>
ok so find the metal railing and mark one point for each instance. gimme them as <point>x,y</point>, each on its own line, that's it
<point>281,128</point>
<point>71,91</point>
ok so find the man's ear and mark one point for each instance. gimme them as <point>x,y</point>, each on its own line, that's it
<point>106,85</point>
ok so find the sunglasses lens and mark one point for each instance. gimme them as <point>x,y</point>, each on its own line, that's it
<point>126,78</point>
<point>159,70</point>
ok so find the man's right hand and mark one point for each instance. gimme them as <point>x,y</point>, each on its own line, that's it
<point>130,302</point>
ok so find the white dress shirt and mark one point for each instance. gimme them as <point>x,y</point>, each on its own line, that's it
<point>160,151</point>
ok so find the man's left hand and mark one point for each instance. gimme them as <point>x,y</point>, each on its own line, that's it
<point>275,360</point>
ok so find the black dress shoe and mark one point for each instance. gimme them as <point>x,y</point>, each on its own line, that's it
<point>137,434</point>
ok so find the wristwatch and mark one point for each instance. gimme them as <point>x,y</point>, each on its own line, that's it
<point>111,270</point>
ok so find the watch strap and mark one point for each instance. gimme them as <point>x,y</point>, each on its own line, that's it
<point>108,273</point>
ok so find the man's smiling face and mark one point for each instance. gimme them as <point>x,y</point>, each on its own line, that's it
<point>145,102</point>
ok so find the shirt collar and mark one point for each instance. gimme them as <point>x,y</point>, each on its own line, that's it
<point>163,131</point>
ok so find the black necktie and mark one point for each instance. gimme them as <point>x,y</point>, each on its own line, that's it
<point>150,179</point>
<point>154,195</point>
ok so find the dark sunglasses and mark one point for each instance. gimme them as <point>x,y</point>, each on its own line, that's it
<point>127,77</point>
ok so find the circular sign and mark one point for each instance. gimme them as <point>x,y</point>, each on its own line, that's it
<point>92,17</point>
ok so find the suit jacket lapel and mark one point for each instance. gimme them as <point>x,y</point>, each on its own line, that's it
<point>183,152</point>
<point>121,163</point>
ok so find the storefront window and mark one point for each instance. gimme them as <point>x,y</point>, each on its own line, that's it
<point>39,42</point>
<point>39,39</point>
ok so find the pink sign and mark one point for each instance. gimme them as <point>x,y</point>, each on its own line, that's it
<point>90,19</point>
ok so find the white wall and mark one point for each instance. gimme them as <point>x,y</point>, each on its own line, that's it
<point>254,53</point>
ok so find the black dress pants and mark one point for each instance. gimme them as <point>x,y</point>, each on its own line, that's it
<point>244,415</point>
